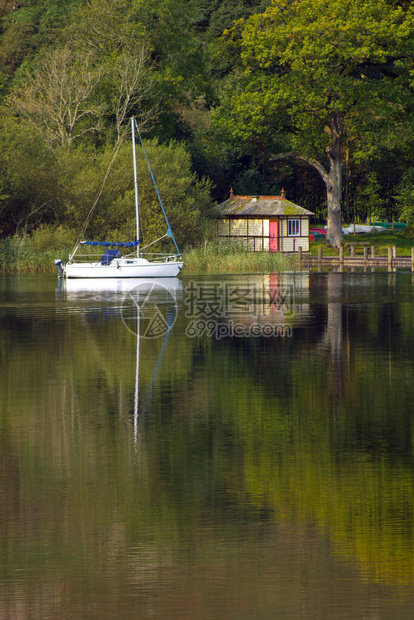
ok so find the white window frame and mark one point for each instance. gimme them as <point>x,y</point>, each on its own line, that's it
<point>293,224</point>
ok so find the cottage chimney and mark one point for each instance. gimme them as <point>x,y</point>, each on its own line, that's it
<point>231,194</point>
<point>283,194</point>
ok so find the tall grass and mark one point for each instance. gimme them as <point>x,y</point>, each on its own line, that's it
<point>225,257</point>
<point>36,252</point>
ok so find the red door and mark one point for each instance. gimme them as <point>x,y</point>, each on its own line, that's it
<point>274,235</point>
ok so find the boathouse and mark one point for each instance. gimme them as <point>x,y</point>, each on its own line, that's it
<point>264,223</point>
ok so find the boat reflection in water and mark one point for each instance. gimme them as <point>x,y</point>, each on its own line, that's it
<point>146,307</point>
<point>85,286</point>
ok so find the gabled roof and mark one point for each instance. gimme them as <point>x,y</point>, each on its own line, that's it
<point>271,206</point>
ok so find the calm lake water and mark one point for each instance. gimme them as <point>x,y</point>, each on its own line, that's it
<point>214,447</point>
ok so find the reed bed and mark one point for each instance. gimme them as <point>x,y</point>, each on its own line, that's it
<point>37,253</point>
<point>222,257</point>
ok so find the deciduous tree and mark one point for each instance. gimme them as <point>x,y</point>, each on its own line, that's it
<point>132,84</point>
<point>57,98</point>
<point>316,71</point>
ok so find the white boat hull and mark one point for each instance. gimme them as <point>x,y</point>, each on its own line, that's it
<point>124,268</point>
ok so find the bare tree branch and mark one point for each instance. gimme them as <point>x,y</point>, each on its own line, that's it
<point>132,76</point>
<point>58,98</point>
<point>309,160</point>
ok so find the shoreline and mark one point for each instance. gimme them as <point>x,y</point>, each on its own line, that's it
<point>22,256</point>
<point>33,254</point>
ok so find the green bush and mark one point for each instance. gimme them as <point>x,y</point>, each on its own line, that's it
<point>46,238</point>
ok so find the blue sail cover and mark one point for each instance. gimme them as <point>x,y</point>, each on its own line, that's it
<point>109,256</point>
<point>108,244</point>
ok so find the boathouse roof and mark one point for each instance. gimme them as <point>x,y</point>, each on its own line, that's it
<point>260,206</point>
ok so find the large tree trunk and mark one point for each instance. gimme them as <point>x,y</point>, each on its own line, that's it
<point>333,181</point>
<point>333,195</point>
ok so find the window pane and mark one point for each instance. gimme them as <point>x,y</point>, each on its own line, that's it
<point>293,228</point>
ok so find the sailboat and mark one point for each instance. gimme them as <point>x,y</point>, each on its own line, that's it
<point>113,264</point>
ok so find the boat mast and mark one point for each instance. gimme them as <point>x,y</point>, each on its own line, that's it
<point>135,181</point>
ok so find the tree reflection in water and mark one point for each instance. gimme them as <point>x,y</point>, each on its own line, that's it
<point>266,474</point>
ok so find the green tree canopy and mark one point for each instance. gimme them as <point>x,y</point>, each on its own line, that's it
<point>81,172</point>
<point>315,72</point>
<point>27,183</point>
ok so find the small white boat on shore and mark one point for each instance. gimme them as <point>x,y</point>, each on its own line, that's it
<point>362,229</point>
<point>112,264</point>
